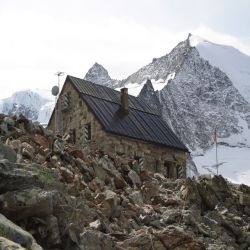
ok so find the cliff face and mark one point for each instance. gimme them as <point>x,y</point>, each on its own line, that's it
<point>56,196</point>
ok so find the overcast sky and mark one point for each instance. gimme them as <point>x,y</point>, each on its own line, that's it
<point>39,38</point>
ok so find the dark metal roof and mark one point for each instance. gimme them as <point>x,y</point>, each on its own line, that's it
<point>109,94</point>
<point>140,123</point>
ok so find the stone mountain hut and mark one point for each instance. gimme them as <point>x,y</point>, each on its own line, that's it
<point>115,121</point>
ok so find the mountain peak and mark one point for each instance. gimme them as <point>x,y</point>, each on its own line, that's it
<point>98,74</point>
<point>195,40</point>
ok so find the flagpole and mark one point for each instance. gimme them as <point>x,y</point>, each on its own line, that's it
<point>217,159</point>
<point>216,150</point>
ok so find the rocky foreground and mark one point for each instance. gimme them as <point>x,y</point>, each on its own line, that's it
<point>56,196</point>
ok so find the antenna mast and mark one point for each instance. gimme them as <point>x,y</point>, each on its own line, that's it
<point>59,74</point>
<point>55,91</point>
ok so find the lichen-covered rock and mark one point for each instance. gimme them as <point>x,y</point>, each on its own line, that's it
<point>6,244</point>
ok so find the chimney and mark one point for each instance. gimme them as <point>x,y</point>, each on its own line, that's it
<point>124,100</point>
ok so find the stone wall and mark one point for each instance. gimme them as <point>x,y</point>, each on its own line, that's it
<point>171,162</point>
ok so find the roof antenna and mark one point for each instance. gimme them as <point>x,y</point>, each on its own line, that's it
<point>55,92</point>
<point>59,74</point>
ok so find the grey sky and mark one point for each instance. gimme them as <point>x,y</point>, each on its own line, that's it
<point>39,38</point>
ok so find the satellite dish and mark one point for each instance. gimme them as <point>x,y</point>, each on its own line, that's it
<point>55,90</point>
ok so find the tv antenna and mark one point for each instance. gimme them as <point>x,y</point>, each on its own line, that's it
<point>59,74</point>
<point>55,92</point>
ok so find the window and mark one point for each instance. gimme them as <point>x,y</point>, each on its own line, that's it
<point>87,132</point>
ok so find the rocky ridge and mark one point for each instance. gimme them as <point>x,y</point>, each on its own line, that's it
<point>54,195</point>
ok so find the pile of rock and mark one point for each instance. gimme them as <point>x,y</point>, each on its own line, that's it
<point>54,195</point>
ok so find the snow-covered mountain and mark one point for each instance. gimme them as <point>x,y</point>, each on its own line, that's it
<point>200,86</point>
<point>36,105</point>
<point>98,74</point>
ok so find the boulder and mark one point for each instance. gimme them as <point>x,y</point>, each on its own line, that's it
<point>16,177</point>
<point>208,197</point>
<point>6,244</point>
<point>26,203</point>
<point>16,234</point>
<point>219,186</point>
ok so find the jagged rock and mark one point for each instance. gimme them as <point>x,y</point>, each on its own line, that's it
<point>7,152</point>
<point>209,198</point>
<point>161,240</point>
<point>219,185</point>
<point>16,234</point>
<point>95,240</point>
<point>26,203</point>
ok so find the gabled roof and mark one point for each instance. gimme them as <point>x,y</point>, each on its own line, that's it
<point>142,122</point>
<point>108,94</point>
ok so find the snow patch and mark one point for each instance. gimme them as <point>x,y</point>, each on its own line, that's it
<point>161,83</point>
<point>230,60</point>
<point>235,163</point>
<point>133,88</point>
<point>195,40</point>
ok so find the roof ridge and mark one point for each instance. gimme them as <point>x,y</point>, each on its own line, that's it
<point>136,102</point>
<point>144,111</point>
